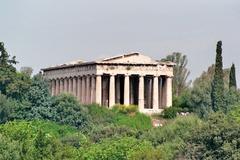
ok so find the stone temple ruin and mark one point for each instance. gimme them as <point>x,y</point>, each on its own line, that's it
<point>126,79</point>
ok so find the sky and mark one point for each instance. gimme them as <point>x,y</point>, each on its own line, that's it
<point>48,32</point>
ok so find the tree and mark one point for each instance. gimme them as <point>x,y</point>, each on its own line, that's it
<point>26,70</point>
<point>180,71</point>
<point>217,94</point>
<point>200,93</point>
<point>7,69</point>
<point>218,138</point>
<point>232,78</point>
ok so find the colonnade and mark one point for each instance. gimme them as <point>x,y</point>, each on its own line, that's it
<point>153,92</point>
<point>84,87</point>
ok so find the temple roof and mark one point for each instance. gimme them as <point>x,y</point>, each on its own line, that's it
<point>130,58</point>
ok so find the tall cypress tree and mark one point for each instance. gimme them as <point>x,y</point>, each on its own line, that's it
<point>217,94</point>
<point>232,78</point>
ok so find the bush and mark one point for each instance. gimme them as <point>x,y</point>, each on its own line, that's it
<point>170,139</point>
<point>38,139</point>
<point>218,138</point>
<point>67,110</point>
<point>111,131</point>
<point>170,113</point>
<point>103,116</point>
<point>138,121</point>
<point>125,109</point>
<point>115,149</point>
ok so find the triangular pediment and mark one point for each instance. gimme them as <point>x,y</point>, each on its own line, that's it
<point>129,58</point>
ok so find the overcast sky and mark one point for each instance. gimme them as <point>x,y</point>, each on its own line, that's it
<point>47,32</point>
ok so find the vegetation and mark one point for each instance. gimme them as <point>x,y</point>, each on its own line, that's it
<point>36,125</point>
<point>180,72</point>
<point>232,77</point>
<point>217,95</point>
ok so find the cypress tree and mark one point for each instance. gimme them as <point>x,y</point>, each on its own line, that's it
<point>232,78</point>
<point>217,94</point>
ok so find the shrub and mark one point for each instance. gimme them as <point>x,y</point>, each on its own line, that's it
<point>36,141</point>
<point>218,138</point>
<point>115,149</point>
<point>100,115</point>
<point>138,121</point>
<point>66,110</point>
<point>170,113</point>
<point>170,139</point>
<point>111,131</point>
<point>9,149</point>
<point>125,109</point>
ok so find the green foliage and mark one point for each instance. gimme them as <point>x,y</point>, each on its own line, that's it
<point>180,72</point>
<point>170,139</point>
<point>170,113</point>
<point>7,70</point>
<point>232,78</point>
<point>199,98</point>
<point>217,95</point>
<point>115,149</point>
<point>101,115</point>
<point>38,139</point>
<point>111,131</point>
<point>130,109</point>
<point>234,113</point>
<point>218,138</point>
<point>66,109</point>
<point>6,108</point>
<point>138,121</point>
<point>9,149</point>
<point>18,86</point>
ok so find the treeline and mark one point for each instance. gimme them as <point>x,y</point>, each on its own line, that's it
<point>36,125</point>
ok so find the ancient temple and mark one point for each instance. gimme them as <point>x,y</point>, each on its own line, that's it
<point>126,79</point>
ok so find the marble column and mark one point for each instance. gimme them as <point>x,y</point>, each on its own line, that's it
<point>169,92</point>
<point>93,89</point>
<point>57,87</point>
<point>70,85</point>
<point>79,88</point>
<point>65,85</point>
<point>83,90</point>
<point>87,91</point>
<point>141,94</point>
<point>112,91</point>
<point>61,86</point>
<point>99,89</point>
<point>155,93</point>
<point>126,90</point>
<point>74,90</point>
<point>53,85</point>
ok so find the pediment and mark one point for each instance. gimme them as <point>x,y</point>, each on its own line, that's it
<point>129,58</point>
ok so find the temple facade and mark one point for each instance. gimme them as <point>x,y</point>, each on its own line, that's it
<point>126,79</point>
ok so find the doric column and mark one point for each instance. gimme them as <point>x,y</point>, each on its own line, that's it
<point>83,90</point>
<point>79,88</point>
<point>65,85</point>
<point>112,91</point>
<point>141,94</point>
<point>74,90</point>
<point>155,93</point>
<point>61,86</point>
<point>126,90</point>
<point>99,89</point>
<point>93,89</point>
<point>169,92</point>
<point>70,85</point>
<point>87,96</point>
<point>57,87</point>
<point>53,86</point>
